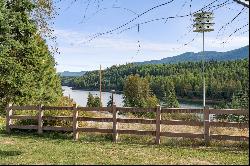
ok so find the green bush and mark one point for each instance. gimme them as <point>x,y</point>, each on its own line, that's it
<point>181,116</point>
<point>239,101</point>
<point>65,101</point>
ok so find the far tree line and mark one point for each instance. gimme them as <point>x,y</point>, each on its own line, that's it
<point>184,80</point>
<point>137,93</point>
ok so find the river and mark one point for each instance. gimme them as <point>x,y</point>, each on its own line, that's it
<point>80,97</point>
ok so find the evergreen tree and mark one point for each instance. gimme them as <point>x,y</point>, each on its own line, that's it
<point>91,100</point>
<point>27,67</point>
<point>170,100</point>
<point>240,100</point>
<point>137,93</point>
<point>97,102</point>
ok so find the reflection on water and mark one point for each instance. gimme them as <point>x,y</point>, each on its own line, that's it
<point>81,96</point>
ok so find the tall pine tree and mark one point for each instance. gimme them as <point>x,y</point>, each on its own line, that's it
<point>27,67</point>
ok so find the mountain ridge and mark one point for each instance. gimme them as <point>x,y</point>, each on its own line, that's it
<point>71,74</point>
<point>235,54</point>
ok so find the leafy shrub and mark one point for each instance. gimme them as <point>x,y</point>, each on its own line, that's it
<point>239,101</point>
<point>65,101</point>
<point>181,116</point>
<point>93,101</point>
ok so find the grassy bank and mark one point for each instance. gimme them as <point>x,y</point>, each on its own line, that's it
<point>57,148</point>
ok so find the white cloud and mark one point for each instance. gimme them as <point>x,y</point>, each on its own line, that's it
<point>119,49</point>
<point>217,44</point>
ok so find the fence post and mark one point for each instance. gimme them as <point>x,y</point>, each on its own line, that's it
<point>9,113</point>
<point>40,119</point>
<point>206,126</point>
<point>115,134</point>
<point>75,123</point>
<point>158,125</point>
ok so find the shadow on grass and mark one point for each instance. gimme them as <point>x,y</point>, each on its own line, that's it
<point>28,134</point>
<point>137,139</point>
<point>92,137</point>
<point>122,140</point>
<point>214,146</point>
<point>134,140</point>
<point>8,153</point>
<point>171,143</point>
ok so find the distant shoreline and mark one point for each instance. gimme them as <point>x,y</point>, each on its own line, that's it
<point>193,100</point>
<point>208,101</point>
<point>116,92</point>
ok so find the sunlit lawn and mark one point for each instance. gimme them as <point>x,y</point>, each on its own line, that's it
<point>58,148</point>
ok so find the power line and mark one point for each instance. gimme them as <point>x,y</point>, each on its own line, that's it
<point>242,3</point>
<point>149,21</point>
<point>132,20</point>
<point>225,25</point>
<point>210,6</point>
<point>236,30</point>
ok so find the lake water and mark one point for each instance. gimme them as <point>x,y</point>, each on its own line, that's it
<point>81,96</point>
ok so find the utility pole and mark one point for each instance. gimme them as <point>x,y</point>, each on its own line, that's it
<point>100,75</point>
<point>203,71</point>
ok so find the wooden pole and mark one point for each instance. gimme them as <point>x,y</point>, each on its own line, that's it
<point>158,125</point>
<point>9,113</point>
<point>75,123</point>
<point>40,119</point>
<point>100,84</point>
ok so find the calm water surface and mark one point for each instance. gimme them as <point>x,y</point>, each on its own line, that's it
<point>81,96</point>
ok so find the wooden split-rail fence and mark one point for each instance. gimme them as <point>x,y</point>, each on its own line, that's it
<point>75,118</point>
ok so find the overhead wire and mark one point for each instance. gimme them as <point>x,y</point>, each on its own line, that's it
<point>132,20</point>
<point>232,20</point>
<point>152,20</point>
<point>173,17</point>
<point>236,30</point>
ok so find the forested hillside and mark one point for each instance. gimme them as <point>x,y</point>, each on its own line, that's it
<point>237,54</point>
<point>222,78</point>
<point>71,74</point>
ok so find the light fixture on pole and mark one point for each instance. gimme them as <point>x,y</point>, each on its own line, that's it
<point>203,23</point>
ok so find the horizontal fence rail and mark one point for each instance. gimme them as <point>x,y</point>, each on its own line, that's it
<point>75,119</point>
<point>180,110</point>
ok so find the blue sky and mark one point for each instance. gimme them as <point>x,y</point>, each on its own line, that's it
<point>159,39</point>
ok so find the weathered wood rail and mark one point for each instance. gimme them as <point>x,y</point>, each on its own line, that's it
<point>75,118</point>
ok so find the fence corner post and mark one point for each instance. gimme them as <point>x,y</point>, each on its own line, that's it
<point>75,123</point>
<point>115,134</point>
<point>40,119</point>
<point>158,125</point>
<point>206,126</point>
<point>9,113</point>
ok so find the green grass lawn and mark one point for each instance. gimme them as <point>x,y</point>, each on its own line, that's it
<point>58,148</point>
